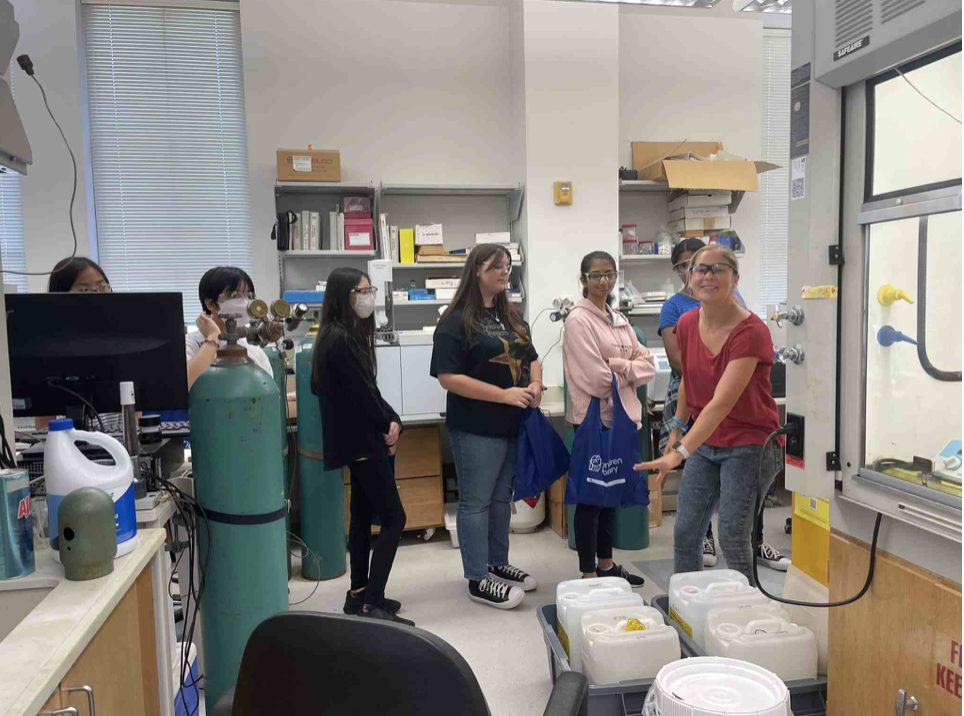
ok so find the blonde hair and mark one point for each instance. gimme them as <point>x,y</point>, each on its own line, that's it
<point>729,258</point>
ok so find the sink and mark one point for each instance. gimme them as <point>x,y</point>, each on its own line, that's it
<point>16,602</point>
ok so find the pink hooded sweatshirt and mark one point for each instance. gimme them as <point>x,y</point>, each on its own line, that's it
<point>593,349</point>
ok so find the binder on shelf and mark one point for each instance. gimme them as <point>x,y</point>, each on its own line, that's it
<point>305,230</point>
<point>332,231</point>
<point>406,246</point>
<point>394,240</point>
<point>314,243</point>
<point>341,231</point>
<point>383,239</point>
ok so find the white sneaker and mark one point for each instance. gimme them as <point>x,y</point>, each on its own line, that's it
<point>772,558</point>
<point>709,552</point>
<point>514,577</point>
<point>495,593</point>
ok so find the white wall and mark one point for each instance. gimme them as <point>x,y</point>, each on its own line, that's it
<point>48,33</point>
<point>572,127</point>
<point>696,78</point>
<point>408,92</point>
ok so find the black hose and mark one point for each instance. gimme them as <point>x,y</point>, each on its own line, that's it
<point>757,514</point>
<point>944,375</point>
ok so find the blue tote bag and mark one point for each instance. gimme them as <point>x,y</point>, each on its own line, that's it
<point>601,468</point>
<point>541,458</point>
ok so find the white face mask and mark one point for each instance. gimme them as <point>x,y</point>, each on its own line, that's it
<point>235,308</point>
<point>363,305</point>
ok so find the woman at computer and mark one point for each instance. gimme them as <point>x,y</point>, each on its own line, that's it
<point>359,431</point>
<point>218,286</point>
<point>78,275</point>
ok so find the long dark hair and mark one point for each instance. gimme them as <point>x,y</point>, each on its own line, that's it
<point>338,315</point>
<point>584,269</point>
<point>468,298</point>
<point>685,246</point>
<point>66,272</point>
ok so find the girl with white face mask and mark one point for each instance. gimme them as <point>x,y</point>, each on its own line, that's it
<point>225,291</point>
<point>359,430</point>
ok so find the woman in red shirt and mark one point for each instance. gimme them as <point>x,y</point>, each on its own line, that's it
<point>726,354</point>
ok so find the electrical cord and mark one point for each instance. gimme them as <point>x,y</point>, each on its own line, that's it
<point>897,70</point>
<point>27,66</point>
<point>757,514</point>
<point>81,398</point>
<point>309,551</point>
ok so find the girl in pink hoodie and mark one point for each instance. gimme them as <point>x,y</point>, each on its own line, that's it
<point>599,343</point>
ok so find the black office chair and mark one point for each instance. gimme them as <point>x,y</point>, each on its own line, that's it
<point>333,665</point>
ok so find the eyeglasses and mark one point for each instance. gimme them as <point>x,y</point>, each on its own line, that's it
<point>703,269</point>
<point>505,268</point>
<point>367,290</point>
<point>228,295</point>
<point>102,287</point>
<point>682,267</point>
<point>610,276</point>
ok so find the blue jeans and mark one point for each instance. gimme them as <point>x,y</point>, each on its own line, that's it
<point>486,472</point>
<point>729,477</point>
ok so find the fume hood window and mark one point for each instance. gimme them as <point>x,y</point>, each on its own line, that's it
<point>913,397</point>
<point>911,144</point>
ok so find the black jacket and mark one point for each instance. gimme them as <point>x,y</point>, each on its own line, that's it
<point>354,416</point>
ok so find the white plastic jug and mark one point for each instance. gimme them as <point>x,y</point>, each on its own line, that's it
<point>693,594</point>
<point>763,635</point>
<point>571,607</point>
<point>66,469</point>
<point>584,586</point>
<point>626,644</point>
<point>710,686</point>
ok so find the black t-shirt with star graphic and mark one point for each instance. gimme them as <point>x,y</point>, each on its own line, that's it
<point>496,355</point>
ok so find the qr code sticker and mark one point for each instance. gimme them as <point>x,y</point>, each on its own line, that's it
<point>798,189</point>
<point>813,504</point>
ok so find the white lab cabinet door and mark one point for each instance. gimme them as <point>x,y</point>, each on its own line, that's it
<point>421,393</point>
<point>389,376</point>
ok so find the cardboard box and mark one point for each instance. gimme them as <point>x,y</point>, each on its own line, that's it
<point>430,250</point>
<point>428,235</point>
<point>655,503</point>
<point>695,199</point>
<point>437,283</point>
<point>720,222</point>
<point>498,237</point>
<point>558,515</point>
<point>359,235</point>
<point>399,296</point>
<point>445,294</point>
<point>309,165</point>
<point>702,212</point>
<point>652,161</point>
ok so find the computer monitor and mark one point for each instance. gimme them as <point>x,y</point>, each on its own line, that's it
<point>90,343</point>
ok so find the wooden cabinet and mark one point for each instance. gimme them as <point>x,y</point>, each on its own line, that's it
<point>53,703</point>
<point>120,662</point>
<point>418,476</point>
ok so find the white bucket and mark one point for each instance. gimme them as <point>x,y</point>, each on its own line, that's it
<point>693,594</point>
<point>67,469</point>
<point>617,649</point>
<point>763,635</point>
<point>709,686</point>
<point>526,518</point>
<point>451,522</point>
<point>570,609</point>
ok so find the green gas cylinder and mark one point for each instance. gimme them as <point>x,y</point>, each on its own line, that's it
<point>235,434</point>
<point>278,370</point>
<point>322,491</point>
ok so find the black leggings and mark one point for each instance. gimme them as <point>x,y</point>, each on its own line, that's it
<point>373,492</point>
<point>594,534</point>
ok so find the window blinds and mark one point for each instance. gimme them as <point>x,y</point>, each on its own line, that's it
<point>774,185</point>
<point>11,224</point>
<point>169,147</point>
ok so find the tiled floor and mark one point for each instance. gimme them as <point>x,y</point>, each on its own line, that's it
<point>504,648</point>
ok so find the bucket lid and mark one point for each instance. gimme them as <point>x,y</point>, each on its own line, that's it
<point>710,686</point>
<point>60,424</point>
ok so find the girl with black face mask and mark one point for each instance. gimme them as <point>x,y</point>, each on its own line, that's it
<point>359,430</point>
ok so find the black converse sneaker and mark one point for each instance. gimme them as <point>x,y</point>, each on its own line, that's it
<point>772,558</point>
<point>495,593</point>
<point>513,576</point>
<point>617,570</point>
<point>709,552</point>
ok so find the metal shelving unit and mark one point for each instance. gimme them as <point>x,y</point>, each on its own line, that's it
<point>327,254</point>
<point>513,192</point>
<point>644,186</point>
<point>436,302</point>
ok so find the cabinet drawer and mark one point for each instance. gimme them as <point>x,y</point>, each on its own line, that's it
<point>417,453</point>
<point>422,498</point>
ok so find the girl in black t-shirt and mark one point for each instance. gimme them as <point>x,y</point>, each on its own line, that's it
<point>359,430</point>
<point>485,359</point>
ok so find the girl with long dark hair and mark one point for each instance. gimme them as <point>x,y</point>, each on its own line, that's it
<point>600,343</point>
<point>485,359</point>
<point>359,430</point>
